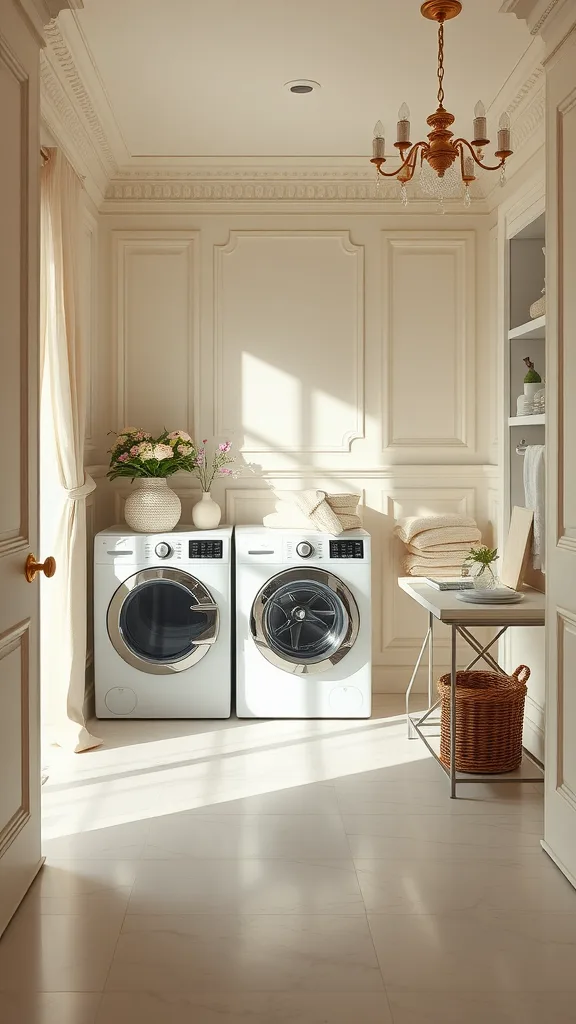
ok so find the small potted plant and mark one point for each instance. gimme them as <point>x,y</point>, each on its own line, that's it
<point>480,561</point>
<point>532,380</point>
<point>206,513</point>
<point>153,507</point>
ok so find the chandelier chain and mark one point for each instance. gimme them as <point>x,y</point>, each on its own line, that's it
<point>441,64</point>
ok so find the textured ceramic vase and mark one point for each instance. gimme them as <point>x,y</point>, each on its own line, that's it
<point>152,507</point>
<point>206,514</point>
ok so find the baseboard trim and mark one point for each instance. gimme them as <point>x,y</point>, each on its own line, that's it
<point>561,867</point>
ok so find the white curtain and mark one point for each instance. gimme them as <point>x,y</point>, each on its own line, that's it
<point>64,484</point>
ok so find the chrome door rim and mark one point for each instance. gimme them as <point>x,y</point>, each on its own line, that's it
<point>300,575</point>
<point>204,602</point>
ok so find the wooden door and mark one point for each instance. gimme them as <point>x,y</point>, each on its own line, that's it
<point>560,826</point>
<point>19,600</point>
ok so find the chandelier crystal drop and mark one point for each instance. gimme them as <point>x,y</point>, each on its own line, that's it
<point>448,164</point>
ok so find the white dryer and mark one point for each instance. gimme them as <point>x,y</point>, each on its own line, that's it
<point>303,624</point>
<point>162,624</point>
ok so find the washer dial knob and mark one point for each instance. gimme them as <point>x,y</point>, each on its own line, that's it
<point>163,550</point>
<point>304,549</point>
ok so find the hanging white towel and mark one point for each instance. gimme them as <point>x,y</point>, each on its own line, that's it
<point>535,498</point>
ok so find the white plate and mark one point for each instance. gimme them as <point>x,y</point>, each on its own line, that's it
<point>490,597</point>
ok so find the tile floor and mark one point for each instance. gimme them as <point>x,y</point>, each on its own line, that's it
<point>279,872</point>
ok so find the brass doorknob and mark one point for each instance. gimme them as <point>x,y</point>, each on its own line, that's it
<point>32,567</point>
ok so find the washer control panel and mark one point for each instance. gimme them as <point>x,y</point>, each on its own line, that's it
<point>205,549</point>
<point>346,549</point>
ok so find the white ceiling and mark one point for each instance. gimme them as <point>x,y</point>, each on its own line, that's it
<point>185,78</point>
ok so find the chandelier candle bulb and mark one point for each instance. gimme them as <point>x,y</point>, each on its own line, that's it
<point>480,128</point>
<point>504,133</point>
<point>403,126</point>
<point>378,143</point>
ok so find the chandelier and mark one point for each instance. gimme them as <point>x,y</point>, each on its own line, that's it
<point>447,164</point>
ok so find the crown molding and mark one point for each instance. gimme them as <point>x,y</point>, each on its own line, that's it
<point>554,20</point>
<point>536,13</point>
<point>257,185</point>
<point>39,13</point>
<point>59,55</point>
<point>69,132</point>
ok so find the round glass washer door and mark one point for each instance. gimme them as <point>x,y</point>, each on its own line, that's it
<point>304,620</point>
<point>162,620</point>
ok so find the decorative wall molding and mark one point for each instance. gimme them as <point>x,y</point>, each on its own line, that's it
<point>344,264</point>
<point>16,708</point>
<point>140,372</point>
<point>406,324</point>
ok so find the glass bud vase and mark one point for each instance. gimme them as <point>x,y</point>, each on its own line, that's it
<point>484,578</point>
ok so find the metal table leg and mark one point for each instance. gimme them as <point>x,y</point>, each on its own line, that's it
<point>453,669</point>
<point>430,660</point>
<point>427,639</point>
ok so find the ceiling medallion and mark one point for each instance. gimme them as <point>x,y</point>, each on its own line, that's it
<point>447,164</point>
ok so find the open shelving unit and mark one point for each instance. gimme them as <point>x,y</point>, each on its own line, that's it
<point>524,337</point>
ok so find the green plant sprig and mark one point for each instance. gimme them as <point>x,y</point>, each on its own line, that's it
<point>483,555</point>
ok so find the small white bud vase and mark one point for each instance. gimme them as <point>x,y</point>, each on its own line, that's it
<point>206,513</point>
<point>152,506</point>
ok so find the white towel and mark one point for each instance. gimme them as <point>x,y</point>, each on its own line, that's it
<point>316,510</point>
<point>466,535</point>
<point>417,566</point>
<point>449,571</point>
<point>439,549</point>
<point>411,526</point>
<point>535,498</point>
<point>452,555</point>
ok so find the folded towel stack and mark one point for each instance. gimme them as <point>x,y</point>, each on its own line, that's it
<point>437,545</point>
<point>315,510</point>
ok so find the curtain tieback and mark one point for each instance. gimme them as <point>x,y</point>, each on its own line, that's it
<point>76,493</point>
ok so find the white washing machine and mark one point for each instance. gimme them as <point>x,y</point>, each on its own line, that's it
<point>162,623</point>
<point>303,630</point>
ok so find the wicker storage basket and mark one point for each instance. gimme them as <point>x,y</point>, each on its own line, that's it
<point>489,720</point>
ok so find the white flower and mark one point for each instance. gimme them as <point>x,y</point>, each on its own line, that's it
<point>119,442</point>
<point>179,434</point>
<point>184,449</point>
<point>163,451</point>
<point>146,451</point>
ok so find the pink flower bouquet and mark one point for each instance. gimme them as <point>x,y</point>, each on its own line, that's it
<point>219,465</point>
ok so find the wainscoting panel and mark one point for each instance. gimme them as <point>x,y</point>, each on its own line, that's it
<point>156,315</point>
<point>429,340</point>
<point>289,350</point>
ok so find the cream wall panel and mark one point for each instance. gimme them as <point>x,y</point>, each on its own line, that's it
<point>308,302</point>
<point>289,318</point>
<point>156,312</point>
<point>429,325</point>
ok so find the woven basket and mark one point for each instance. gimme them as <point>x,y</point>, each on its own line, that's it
<point>489,720</point>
